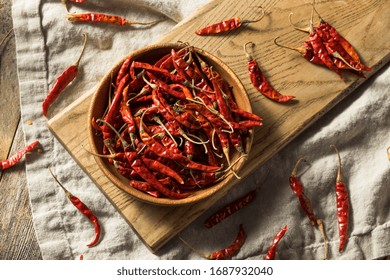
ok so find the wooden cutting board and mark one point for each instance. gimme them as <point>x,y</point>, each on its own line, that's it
<point>365,23</point>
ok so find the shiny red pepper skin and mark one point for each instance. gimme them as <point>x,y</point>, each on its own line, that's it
<point>62,82</point>
<point>342,203</point>
<point>298,189</point>
<point>59,85</point>
<point>230,209</point>
<point>272,250</point>
<point>13,160</point>
<point>232,250</point>
<point>220,27</point>
<point>262,85</point>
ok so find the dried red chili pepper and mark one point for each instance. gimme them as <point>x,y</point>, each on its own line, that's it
<point>226,25</point>
<point>230,209</point>
<point>260,82</point>
<point>298,189</point>
<point>13,160</point>
<point>226,253</point>
<point>105,18</point>
<point>84,210</point>
<point>62,81</point>
<point>342,202</point>
<point>272,250</point>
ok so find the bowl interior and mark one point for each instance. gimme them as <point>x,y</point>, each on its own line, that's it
<point>99,103</point>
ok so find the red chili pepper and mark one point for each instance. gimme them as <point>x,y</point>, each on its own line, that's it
<point>298,189</point>
<point>226,25</point>
<point>226,253</point>
<point>84,210</point>
<point>157,166</point>
<point>230,209</point>
<point>62,81</point>
<point>260,82</point>
<point>13,160</point>
<point>143,171</point>
<point>342,202</point>
<point>104,18</point>
<point>122,71</point>
<point>272,250</point>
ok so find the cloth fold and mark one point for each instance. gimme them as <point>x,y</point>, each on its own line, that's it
<point>47,44</point>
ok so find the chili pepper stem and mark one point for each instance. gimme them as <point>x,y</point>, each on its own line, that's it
<point>256,20</point>
<point>111,156</point>
<point>68,193</point>
<point>339,177</point>
<point>337,55</point>
<point>388,152</point>
<point>6,36</point>
<point>123,141</point>
<point>248,56</point>
<point>306,30</point>
<point>82,50</point>
<point>321,226</point>
<point>294,172</point>
<point>193,249</point>
<point>300,50</point>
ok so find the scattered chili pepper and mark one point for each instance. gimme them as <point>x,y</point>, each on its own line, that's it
<point>105,18</point>
<point>226,25</point>
<point>342,202</point>
<point>298,189</point>
<point>62,81</point>
<point>260,82</point>
<point>272,250</point>
<point>13,160</point>
<point>226,253</point>
<point>81,257</point>
<point>83,209</point>
<point>230,209</point>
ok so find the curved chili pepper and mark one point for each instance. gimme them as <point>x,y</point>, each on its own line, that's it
<point>13,160</point>
<point>84,210</point>
<point>226,25</point>
<point>155,165</point>
<point>261,83</point>
<point>105,18</point>
<point>226,253</point>
<point>62,81</point>
<point>122,71</point>
<point>342,202</point>
<point>298,189</point>
<point>272,250</point>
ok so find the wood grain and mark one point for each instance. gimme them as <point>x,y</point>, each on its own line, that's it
<point>316,88</point>
<point>17,235</point>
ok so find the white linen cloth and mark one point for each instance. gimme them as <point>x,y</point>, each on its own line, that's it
<point>47,44</point>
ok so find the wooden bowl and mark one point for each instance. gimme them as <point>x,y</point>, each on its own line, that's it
<point>99,103</point>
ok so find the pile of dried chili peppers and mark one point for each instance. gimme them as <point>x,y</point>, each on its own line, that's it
<point>173,126</point>
<point>328,48</point>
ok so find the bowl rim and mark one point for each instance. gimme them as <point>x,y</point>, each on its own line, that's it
<point>114,176</point>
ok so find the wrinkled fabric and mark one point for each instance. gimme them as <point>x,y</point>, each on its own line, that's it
<point>47,44</point>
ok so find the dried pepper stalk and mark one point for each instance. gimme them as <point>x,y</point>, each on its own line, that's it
<point>84,210</point>
<point>13,160</point>
<point>342,202</point>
